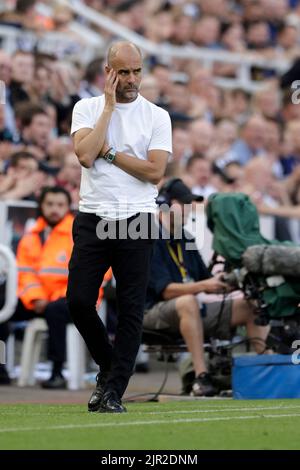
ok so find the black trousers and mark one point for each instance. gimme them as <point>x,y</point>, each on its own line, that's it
<point>57,316</point>
<point>130,262</point>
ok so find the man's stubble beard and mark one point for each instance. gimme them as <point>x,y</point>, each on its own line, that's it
<point>122,96</point>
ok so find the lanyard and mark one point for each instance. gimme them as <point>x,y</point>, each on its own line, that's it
<point>178,260</point>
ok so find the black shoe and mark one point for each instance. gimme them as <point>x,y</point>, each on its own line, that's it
<point>56,382</point>
<point>111,403</point>
<point>203,387</point>
<point>4,377</point>
<point>97,395</point>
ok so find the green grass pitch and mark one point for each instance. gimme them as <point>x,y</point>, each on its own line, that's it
<point>209,424</point>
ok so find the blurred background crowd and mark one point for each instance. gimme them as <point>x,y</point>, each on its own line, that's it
<point>225,138</point>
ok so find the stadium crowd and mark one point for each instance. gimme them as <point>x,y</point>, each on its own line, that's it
<point>223,139</point>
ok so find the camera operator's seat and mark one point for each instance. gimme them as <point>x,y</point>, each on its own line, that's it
<point>163,342</point>
<point>166,346</point>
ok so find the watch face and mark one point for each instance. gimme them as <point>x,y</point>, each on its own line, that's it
<point>110,157</point>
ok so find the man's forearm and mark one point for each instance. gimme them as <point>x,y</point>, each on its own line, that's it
<point>281,211</point>
<point>144,170</point>
<point>176,289</point>
<point>211,286</point>
<point>89,147</point>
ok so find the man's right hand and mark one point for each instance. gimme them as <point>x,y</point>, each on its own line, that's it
<point>39,305</point>
<point>213,285</point>
<point>110,87</point>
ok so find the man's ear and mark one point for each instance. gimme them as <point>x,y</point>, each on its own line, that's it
<point>107,69</point>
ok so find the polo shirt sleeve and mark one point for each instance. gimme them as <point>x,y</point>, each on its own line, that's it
<point>161,138</point>
<point>82,116</point>
<point>160,276</point>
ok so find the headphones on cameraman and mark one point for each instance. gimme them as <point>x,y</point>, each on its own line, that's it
<point>164,196</point>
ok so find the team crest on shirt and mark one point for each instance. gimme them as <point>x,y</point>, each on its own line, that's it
<point>62,257</point>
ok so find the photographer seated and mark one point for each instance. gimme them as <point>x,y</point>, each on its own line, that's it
<point>178,275</point>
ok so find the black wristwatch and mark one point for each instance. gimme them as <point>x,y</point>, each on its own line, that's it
<point>110,155</point>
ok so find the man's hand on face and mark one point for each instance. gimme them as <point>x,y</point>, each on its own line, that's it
<point>110,87</point>
<point>39,305</point>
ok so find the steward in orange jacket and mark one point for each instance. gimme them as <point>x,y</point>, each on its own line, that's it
<point>43,267</point>
<point>43,262</point>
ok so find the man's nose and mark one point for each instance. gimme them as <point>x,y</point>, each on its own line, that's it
<point>131,78</point>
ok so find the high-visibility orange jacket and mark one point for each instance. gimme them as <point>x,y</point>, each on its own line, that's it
<point>43,267</point>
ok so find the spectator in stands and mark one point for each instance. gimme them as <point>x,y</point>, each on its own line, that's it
<point>93,80</point>
<point>201,135</point>
<point>207,32</point>
<point>267,102</point>
<point>273,146</point>
<point>22,180</point>
<point>5,78</point>
<point>150,88</point>
<point>289,162</point>
<point>179,98</point>
<point>258,36</point>
<point>22,76</point>
<point>182,150</point>
<point>62,17</point>
<point>290,207</point>
<point>162,73</point>
<point>233,37</point>
<point>35,126</point>
<point>239,106</point>
<point>183,29</point>
<point>251,143</point>
<point>70,175</point>
<point>57,151</point>
<point>288,41</point>
<point>6,139</point>
<point>23,16</point>
<point>159,26</point>
<point>218,8</point>
<point>225,136</point>
<point>178,276</point>
<point>199,169</point>
<point>5,67</point>
<point>201,78</point>
<point>65,93</point>
<point>258,174</point>
<point>203,91</point>
<point>132,14</point>
<point>236,173</point>
<point>39,91</point>
<point>5,134</point>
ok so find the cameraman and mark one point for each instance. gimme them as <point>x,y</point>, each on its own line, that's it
<point>177,277</point>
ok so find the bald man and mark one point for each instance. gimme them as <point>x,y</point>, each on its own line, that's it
<point>251,143</point>
<point>122,142</point>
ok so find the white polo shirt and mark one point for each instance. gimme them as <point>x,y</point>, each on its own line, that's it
<point>135,128</point>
